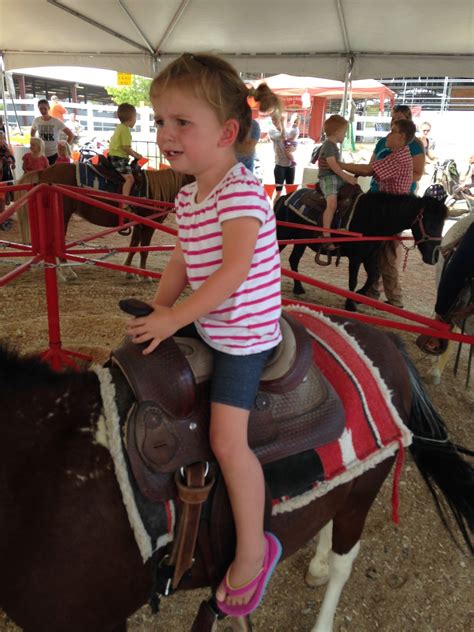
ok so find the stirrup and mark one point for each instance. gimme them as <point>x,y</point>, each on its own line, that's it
<point>330,253</point>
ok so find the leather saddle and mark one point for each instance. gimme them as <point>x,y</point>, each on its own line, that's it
<point>296,409</point>
<point>310,203</point>
<point>106,170</point>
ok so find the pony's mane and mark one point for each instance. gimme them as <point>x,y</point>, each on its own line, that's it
<point>387,200</point>
<point>26,370</point>
<point>435,208</point>
<point>165,184</point>
<point>31,177</point>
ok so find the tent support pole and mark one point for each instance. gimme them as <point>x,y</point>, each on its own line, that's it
<point>139,31</point>
<point>347,80</point>
<point>4,101</point>
<point>98,25</point>
<point>172,25</point>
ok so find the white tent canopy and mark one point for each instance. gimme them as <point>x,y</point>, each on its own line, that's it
<point>324,38</point>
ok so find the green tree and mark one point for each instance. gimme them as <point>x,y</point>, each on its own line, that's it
<point>136,94</point>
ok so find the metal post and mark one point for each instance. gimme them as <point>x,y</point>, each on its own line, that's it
<point>347,81</point>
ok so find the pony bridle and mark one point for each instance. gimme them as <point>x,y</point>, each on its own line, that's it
<point>424,235</point>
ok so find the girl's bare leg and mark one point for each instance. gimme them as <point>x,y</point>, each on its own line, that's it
<point>245,484</point>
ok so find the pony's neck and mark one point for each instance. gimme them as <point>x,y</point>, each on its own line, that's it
<point>387,214</point>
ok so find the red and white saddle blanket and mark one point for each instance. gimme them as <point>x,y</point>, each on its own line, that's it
<point>374,429</point>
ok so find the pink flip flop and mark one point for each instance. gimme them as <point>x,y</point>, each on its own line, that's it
<point>272,555</point>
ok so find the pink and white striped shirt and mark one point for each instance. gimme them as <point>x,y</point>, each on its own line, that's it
<point>248,321</point>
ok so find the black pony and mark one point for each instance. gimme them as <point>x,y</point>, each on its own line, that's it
<point>375,214</point>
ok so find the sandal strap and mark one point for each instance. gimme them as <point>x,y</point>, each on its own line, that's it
<point>247,587</point>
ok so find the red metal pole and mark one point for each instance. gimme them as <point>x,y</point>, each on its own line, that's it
<point>46,217</point>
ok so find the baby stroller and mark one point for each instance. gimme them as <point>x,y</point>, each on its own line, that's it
<point>446,175</point>
<point>91,148</point>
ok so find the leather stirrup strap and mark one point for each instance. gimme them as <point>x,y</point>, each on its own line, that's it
<point>192,493</point>
<point>205,618</point>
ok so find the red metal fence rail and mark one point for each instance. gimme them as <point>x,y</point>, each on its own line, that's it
<point>48,244</point>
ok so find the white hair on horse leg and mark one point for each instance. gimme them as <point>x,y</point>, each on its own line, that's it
<point>318,570</point>
<point>340,567</point>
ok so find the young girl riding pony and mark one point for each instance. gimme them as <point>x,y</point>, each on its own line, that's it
<point>227,251</point>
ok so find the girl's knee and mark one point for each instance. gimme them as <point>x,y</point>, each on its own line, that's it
<point>223,449</point>
<point>219,444</point>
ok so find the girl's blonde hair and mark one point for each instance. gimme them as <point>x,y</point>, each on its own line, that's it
<point>67,149</point>
<point>215,81</point>
<point>40,142</point>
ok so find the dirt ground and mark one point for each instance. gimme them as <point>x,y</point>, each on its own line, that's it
<point>406,579</point>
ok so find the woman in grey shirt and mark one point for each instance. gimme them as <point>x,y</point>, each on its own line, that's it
<point>284,171</point>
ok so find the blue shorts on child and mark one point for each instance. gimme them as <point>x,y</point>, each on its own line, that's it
<point>235,378</point>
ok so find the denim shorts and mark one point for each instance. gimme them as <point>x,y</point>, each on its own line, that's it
<point>235,378</point>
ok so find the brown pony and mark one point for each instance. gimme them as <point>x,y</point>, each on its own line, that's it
<point>69,560</point>
<point>162,185</point>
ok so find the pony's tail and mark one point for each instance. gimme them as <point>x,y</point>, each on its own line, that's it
<point>449,476</point>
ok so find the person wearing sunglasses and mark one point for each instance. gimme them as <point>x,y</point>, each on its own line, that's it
<point>427,142</point>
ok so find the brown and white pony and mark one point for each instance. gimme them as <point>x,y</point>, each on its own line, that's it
<point>162,186</point>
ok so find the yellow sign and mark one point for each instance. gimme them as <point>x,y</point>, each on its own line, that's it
<point>124,79</point>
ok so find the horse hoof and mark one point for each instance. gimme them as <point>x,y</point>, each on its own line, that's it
<point>350,306</point>
<point>298,291</point>
<point>433,377</point>
<point>145,279</point>
<point>313,581</point>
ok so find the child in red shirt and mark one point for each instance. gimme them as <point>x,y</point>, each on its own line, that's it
<point>35,159</point>
<point>64,153</point>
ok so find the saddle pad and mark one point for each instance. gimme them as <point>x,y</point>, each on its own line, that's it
<point>152,523</point>
<point>309,213</point>
<point>88,176</point>
<point>373,432</point>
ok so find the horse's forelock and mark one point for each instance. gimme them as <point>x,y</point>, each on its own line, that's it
<point>436,208</point>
